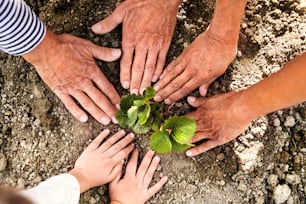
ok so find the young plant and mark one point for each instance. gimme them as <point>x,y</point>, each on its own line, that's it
<point>175,135</point>
<point>140,113</point>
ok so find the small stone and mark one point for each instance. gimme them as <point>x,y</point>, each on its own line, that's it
<point>3,162</point>
<point>272,180</point>
<point>281,193</point>
<point>290,121</point>
<point>276,122</point>
<point>260,199</point>
<point>220,157</point>
<point>293,179</point>
<point>242,187</point>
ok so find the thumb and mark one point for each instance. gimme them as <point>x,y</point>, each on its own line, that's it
<point>109,23</point>
<point>105,53</point>
<point>195,102</point>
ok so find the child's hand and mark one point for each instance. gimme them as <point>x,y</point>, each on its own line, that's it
<point>134,187</point>
<point>101,163</point>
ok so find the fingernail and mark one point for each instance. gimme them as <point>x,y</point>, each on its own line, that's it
<point>126,84</point>
<point>157,98</point>
<point>168,101</point>
<point>105,120</point>
<point>114,120</point>
<point>135,91</point>
<point>122,132</point>
<point>97,28</point>
<point>155,78</point>
<point>157,158</point>
<point>142,90</point>
<point>156,88</point>
<point>152,152</point>
<point>132,135</point>
<point>83,118</point>
<point>107,131</point>
<point>191,99</point>
<point>117,106</point>
<point>189,153</point>
<point>116,52</point>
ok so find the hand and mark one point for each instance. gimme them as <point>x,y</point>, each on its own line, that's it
<point>198,66</point>
<point>219,119</point>
<point>133,188</point>
<point>101,163</point>
<point>147,31</point>
<point>66,63</point>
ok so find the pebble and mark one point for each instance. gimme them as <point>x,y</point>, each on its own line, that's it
<point>3,162</point>
<point>276,122</point>
<point>220,157</point>
<point>293,179</point>
<point>272,180</point>
<point>290,121</point>
<point>281,193</point>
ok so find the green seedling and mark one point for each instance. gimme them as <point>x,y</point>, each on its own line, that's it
<point>142,114</point>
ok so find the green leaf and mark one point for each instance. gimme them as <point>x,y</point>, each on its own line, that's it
<point>149,93</point>
<point>180,128</point>
<point>132,115</point>
<point>139,103</point>
<point>126,102</point>
<point>176,147</point>
<point>122,118</point>
<point>160,142</point>
<point>144,114</point>
<point>140,129</point>
<point>156,122</point>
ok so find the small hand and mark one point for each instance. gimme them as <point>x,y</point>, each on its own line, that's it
<point>101,163</point>
<point>146,35</point>
<point>198,66</point>
<point>133,188</point>
<point>66,63</point>
<point>219,119</point>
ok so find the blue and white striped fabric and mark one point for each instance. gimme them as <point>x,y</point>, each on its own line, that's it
<point>20,29</point>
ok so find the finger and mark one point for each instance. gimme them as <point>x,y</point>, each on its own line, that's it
<point>123,154</point>
<point>105,53</point>
<point>195,102</point>
<point>149,70</point>
<point>203,89</point>
<point>116,172</point>
<point>72,107</point>
<point>163,82</point>
<point>111,141</point>
<point>117,178</point>
<point>200,136</point>
<point>110,22</point>
<point>91,107</point>
<point>98,140</point>
<point>100,100</point>
<point>186,89</point>
<point>160,64</point>
<point>152,168</point>
<point>132,164</point>
<point>138,69</point>
<point>116,148</point>
<point>175,85</point>
<point>125,64</point>
<point>154,189</point>
<point>166,79</point>
<point>145,164</point>
<point>205,146</point>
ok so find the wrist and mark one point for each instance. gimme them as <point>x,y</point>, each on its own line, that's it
<point>82,179</point>
<point>116,202</point>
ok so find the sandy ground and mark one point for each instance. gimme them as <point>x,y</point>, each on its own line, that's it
<point>266,164</point>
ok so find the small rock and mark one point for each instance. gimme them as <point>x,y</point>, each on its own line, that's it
<point>272,180</point>
<point>220,157</point>
<point>260,199</point>
<point>293,179</point>
<point>276,122</point>
<point>3,162</point>
<point>281,193</point>
<point>290,121</point>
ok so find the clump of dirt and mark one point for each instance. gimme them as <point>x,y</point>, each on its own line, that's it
<point>266,164</point>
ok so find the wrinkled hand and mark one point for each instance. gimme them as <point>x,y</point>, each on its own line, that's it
<point>101,163</point>
<point>198,66</point>
<point>66,63</point>
<point>134,188</point>
<point>219,119</point>
<point>147,31</point>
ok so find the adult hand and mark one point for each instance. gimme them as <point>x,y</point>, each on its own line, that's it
<point>134,188</point>
<point>101,163</point>
<point>148,26</point>
<point>220,119</point>
<point>66,63</point>
<point>198,66</point>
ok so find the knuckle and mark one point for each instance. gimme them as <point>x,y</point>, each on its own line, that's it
<point>87,104</point>
<point>175,85</point>
<point>138,68</point>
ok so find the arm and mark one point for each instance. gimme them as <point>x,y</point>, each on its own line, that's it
<point>223,117</point>
<point>147,30</point>
<point>206,58</point>
<point>66,63</point>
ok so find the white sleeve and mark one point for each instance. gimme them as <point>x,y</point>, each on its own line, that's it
<point>61,189</point>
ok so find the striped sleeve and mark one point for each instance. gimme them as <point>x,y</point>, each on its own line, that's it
<point>20,29</point>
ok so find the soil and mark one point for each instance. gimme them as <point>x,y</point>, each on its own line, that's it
<point>266,164</point>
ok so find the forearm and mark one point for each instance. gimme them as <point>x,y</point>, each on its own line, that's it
<point>226,20</point>
<point>281,90</point>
